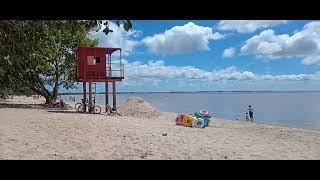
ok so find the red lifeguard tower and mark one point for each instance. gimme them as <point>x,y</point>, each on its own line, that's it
<point>94,65</point>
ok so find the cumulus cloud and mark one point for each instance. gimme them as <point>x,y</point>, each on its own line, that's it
<point>247,26</point>
<point>157,76</point>
<point>311,60</point>
<point>229,52</point>
<point>119,38</point>
<point>181,39</point>
<point>159,71</point>
<point>304,44</point>
<point>217,36</point>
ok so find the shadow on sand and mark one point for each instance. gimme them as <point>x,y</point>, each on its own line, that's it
<point>64,111</point>
<point>40,106</point>
<point>72,112</point>
<point>37,106</point>
<point>24,106</point>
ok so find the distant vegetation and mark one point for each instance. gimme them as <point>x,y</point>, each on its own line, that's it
<point>38,54</point>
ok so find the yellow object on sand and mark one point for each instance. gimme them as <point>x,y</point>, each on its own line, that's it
<point>187,120</point>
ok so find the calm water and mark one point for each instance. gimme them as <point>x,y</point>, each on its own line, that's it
<point>296,109</point>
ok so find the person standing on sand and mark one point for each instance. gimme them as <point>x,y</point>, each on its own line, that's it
<point>250,109</point>
<point>247,116</point>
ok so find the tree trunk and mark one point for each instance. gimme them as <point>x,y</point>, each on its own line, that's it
<point>46,94</point>
<point>48,100</point>
<point>14,92</point>
<point>56,87</point>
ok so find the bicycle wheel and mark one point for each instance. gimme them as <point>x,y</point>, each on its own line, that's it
<point>76,106</point>
<point>97,109</point>
<point>81,108</point>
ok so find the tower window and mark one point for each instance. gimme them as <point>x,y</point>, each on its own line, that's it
<point>93,60</point>
<point>97,60</point>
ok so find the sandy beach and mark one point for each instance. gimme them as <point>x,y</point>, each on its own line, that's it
<point>28,130</point>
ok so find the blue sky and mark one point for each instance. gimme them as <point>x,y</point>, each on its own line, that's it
<point>201,55</point>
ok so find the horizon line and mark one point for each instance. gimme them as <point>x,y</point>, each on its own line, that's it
<point>124,92</point>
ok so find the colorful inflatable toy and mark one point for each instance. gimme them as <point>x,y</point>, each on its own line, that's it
<point>206,121</point>
<point>179,119</point>
<point>188,120</point>
<point>198,119</point>
<point>205,113</point>
<point>199,123</point>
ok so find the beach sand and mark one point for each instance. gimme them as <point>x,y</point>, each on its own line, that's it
<point>35,132</point>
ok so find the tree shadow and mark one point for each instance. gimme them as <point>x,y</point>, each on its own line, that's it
<point>36,106</point>
<point>41,106</point>
<point>24,106</point>
<point>72,112</point>
<point>64,111</point>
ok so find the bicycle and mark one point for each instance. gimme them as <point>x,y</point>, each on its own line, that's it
<point>96,109</point>
<point>76,106</point>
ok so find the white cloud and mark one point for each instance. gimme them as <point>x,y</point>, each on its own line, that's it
<point>181,39</point>
<point>158,71</point>
<point>247,26</point>
<point>229,52</point>
<point>311,60</point>
<point>304,44</point>
<point>157,76</point>
<point>217,36</point>
<point>119,38</point>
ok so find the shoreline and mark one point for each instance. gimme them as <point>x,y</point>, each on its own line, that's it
<point>290,115</point>
<point>262,123</point>
<point>267,124</point>
<point>199,92</point>
<point>72,104</point>
<point>33,132</point>
<point>216,117</point>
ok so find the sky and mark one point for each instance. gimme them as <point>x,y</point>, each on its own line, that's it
<point>217,55</point>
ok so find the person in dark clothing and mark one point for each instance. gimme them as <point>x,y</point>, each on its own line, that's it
<point>250,110</point>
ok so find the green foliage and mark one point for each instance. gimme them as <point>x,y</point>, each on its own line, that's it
<point>38,54</point>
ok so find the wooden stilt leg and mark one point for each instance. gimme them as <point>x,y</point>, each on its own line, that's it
<point>107,96</point>
<point>114,95</point>
<point>84,94</point>
<point>90,96</point>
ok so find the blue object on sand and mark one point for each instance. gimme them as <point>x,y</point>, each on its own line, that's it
<point>198,123</point>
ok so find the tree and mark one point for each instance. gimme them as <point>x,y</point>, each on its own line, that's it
<point>38,54</point>
<point>67,37</point>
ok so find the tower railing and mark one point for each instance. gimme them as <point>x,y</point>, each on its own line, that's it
<point>115,70</point>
